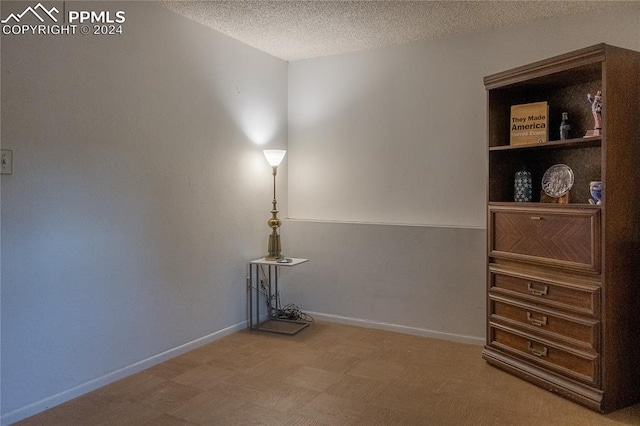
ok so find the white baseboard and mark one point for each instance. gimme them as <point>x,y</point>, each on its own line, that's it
<point>52,401</point>
<point>399,328</point>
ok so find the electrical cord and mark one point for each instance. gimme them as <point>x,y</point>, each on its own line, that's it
<point>288,312</point>
<point>292,312</point>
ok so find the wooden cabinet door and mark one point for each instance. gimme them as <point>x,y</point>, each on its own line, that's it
<point>567,238</point>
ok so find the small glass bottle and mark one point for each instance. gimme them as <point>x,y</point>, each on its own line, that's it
<point>565,127</point>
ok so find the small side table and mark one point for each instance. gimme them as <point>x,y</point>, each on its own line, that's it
<point>272,324</point>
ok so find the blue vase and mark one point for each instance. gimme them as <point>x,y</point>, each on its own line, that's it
<point>595,188</point>
<point>522,187</point>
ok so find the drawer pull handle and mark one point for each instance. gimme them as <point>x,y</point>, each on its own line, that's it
<point>537,352</point>
<point>542,292</point>
<point>537,322</point>
<point>537,218</point>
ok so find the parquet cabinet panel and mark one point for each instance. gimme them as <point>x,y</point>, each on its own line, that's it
<point>562,279</point>
<point>567,238</point>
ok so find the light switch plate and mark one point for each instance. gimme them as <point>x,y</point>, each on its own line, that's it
<point>6,162</point>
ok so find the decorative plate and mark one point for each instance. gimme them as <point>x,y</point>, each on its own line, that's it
<point>557,180</point>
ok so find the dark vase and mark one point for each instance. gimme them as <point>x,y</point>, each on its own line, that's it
<point>522,187</point>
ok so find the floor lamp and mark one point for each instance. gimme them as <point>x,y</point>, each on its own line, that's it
<point>274,158</point>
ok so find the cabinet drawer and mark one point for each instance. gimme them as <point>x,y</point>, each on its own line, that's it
<point>582,299</point>
<point>572,330</point>
<point>580,365</point>
<point>565,237</point>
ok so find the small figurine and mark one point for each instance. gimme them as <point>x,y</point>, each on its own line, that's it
<point>596,110</point>
<point>595,188</point>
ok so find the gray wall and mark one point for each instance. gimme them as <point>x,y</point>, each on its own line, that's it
<point>138,194</point>
<point>422,280</point>
<point>387,178</point>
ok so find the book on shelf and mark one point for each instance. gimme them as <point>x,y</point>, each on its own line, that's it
<point>529,123</point>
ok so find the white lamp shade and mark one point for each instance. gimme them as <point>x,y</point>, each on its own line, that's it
<point>274,156</point>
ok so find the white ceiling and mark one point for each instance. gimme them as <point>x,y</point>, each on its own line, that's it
<point>293,30</point>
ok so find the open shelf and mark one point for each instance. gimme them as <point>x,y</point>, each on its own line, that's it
<point>544,205</point>
<point>569,143</point>
<point>584,157</point>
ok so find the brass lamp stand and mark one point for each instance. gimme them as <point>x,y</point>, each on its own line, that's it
<point>274,157</point>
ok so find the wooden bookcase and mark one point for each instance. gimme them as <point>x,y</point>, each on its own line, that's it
<point>563,280</point>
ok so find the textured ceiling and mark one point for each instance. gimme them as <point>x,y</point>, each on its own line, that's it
<point>293,30</point>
